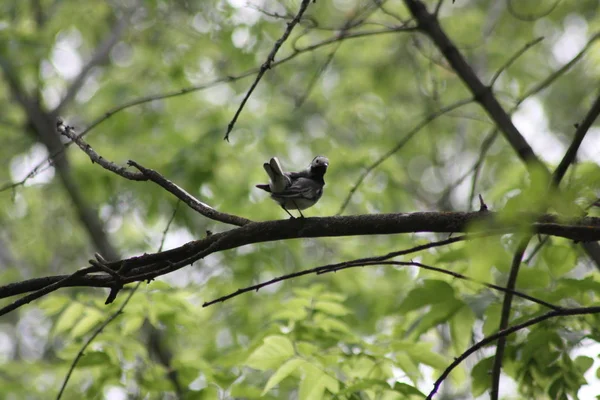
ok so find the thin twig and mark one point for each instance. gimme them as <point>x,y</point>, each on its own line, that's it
<point>457,275</point>
<point>92,337</point>
<point>505,315</point>
<point>47,163</point>
<point>68,131</point>
<point>503,333</point>
<point>267,64</point>
<point>514,58</point>
<point>188,199</point>
<point>330,266</point>
<point>429,118</point>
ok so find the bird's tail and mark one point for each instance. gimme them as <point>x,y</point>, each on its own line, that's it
<point>279,180</point>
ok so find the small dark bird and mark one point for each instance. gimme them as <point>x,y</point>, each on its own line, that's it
<point>296,190</point>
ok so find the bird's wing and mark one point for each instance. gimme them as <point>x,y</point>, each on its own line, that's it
<point>301,188</point>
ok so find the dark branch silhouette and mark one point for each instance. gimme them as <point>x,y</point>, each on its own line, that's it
<point>504,333</point>
<point>150,266</point>
<point>267,64</point>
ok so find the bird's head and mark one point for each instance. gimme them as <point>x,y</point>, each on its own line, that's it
<point>319,164</point>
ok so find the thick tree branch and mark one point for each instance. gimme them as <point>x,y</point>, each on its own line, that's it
<point>149,266</point>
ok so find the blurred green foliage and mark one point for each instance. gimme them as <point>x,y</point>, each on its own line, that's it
<point>364,333</point>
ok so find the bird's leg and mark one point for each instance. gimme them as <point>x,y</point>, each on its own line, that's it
<point>286,210</point>
<point>301,215</point>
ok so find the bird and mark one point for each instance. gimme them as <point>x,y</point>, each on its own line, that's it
<point>295,190</point>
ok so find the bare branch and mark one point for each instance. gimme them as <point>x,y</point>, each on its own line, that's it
<point>267,64</point>
<point>514,58</point>
<point>68,131</point>
<point>505,315</point>
<point>190,200</point>
<point>582,130</point>
<point>329,266</point>
<point>399,145</point>
<point>560,72</point>
<point>148,174</point>
<point>352,264</point>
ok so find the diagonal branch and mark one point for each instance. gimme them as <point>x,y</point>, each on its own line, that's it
<point>190,200</point>
<point>582,130</point>
<point>45,164</point>
<point>483,95</point>
<point>429,118</point>
<point>267,64</point>
<point>505,332</point>
<point>146,174</point>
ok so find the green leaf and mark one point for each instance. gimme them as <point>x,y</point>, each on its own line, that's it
<point>561,259</point>
<point>132,323</point>
<point>583,363</point>
<point>431,292</point>
<point>480,375</point>
<point>53,304</point>
<point>491,319</point>
<point>94,358</point>
<point>461,329</point>
<point>421,353</point>
<point>91,318</point>
<point>532,278</point>
<point>331,308</point>
<point>439,313</point>
<point>315,382</point>
<point>271,354</point>
<point>331,324</point>
<point>449,256</point>
<point>68,318</point>
<point>283,372</point>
